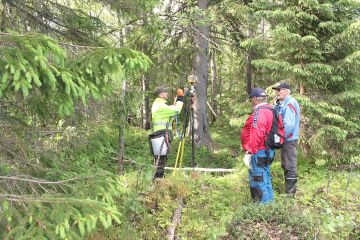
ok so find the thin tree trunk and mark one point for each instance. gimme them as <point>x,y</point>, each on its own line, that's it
<point>122,128</point>
<point>201,67</point>
<point>142,112</point>
<point>301,89</point>
<point>122,110</point>
<point>4,15</point>
<point>220,86</point>
<point>213,84</point>
<point>249,71</point>
<point>301,85</point>
<point>146,105</point>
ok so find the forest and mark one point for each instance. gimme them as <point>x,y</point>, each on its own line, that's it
<point>77,82</point>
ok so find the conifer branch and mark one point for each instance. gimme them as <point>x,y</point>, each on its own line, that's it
<point>61,43</point>
<point>55,200</point>
<point>38,181</point>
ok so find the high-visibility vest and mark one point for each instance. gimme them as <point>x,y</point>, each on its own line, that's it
<point>161,113</point>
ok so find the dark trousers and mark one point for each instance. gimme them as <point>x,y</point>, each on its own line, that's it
<point>289,164</point>
<point>160,170</point>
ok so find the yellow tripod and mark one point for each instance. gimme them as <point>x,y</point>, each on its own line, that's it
<point>180,152</point>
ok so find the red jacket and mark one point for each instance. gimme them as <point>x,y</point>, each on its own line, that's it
<point>253,134</point>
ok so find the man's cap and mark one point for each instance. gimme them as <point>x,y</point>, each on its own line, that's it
<point>257,92</point>
<point>161,89</point>
<point>282,86</point>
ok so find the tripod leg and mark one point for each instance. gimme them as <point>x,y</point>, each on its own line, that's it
<point>192,138</point>
<point>182,152</point>
<point>177,157</point>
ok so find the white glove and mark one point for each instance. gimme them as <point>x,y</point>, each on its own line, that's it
<point>247,160</point>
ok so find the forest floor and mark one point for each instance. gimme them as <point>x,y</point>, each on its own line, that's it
<point>218,206</point>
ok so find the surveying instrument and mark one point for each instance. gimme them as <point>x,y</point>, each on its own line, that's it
<point>189,118</point>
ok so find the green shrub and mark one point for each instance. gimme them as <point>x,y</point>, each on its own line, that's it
<point>282,219</point>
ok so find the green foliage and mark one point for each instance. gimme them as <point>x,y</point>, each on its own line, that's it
<point>313,44</point>
<point>331,196</point>
<point>222,156</point>
<point>97,151</point>
<point>328,124</point>
<point>145,210</point>
<point>134,7</point>
<point>281,219</point>
<point>73,21</point>
<point>311,47</point>
<point>37,66</point>
<point>59,215</point>
<point>218,197</point>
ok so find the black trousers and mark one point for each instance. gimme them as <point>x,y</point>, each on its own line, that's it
<point>289,164</point>
<point>160,170</point>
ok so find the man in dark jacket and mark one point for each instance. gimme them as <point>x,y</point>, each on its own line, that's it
<point>257,157</point>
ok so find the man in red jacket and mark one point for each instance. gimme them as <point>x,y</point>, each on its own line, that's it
<point>257,158</point>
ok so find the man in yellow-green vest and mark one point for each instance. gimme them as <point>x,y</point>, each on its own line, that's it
<point>162,115</point>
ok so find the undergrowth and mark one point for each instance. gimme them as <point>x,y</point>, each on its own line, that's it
<point>216,206</point>
<point>283,219</point>
<point>212,199</point>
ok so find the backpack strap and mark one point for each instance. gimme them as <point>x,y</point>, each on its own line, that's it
<point>267,148</point>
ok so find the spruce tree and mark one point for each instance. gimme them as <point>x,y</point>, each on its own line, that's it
<point>315,46</point>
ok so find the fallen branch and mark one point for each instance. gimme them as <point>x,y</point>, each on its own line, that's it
<point>176,220</point>
<point>212,110</point>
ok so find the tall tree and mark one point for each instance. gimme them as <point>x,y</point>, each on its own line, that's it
<point>146,111</point>
<point>201,69</point>
<point>214,84</point>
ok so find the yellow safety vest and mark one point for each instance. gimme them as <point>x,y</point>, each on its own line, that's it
<point>161,113</point>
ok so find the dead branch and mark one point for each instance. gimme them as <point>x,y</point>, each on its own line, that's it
<point>176,220</point>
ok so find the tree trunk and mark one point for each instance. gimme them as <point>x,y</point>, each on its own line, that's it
<point>146,107</point>
<point>249,69</point>
<point>201,67</point>
<point>301,85</point>
<point>213,84</point>
<point>301,89</point>
<point>5,15</point>
<point>123,117</point>
<point>220,87</point>
<point>249,72</point>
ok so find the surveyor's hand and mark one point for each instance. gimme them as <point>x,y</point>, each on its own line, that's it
<point>247,160</point>
<point>180,92</point>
